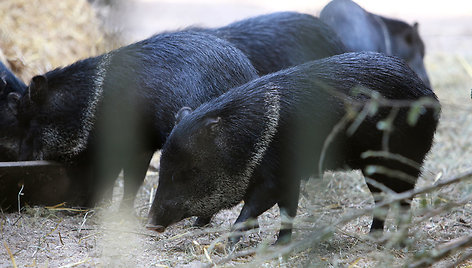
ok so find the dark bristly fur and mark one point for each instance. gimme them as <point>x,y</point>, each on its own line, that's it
<point>112,112</point>
<point>364,31</point>
<point>9,82</point>
<point>10,88</point>
<point>280,40</point>
<point>257,141</point>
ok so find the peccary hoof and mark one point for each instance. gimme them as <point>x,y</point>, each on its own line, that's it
<point>232,241</point>
<point>201,221</point>
<point>285,237</point>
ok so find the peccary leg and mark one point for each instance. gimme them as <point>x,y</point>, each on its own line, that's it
<point>397,184</point>
<point>257,203</point>
<point>400,186</point>
<point>104,180</point>
<point>134,174</point>
<point>288,210</point>
<point>82,191</point>
<point>202,221</point>
<point>377,222</point>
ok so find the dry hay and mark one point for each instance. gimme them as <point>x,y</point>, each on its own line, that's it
<point>36,36</point>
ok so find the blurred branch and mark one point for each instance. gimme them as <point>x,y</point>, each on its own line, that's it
<point>335,131</point>
<point>447,207</point>
<point>387,127</point>
<point>463,258</point>
<point>326,231</point>
<point>377,100</point>
<point>445,250</point>
<point>391,156</point>
<point>448,248</point>
<point>465,64</point>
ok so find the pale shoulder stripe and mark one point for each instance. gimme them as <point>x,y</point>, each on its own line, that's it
<point>89,114</point>
<point>271,119</point>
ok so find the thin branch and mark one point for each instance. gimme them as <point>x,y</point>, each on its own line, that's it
<point>446,250</point>
<point>392,156</point>
<point>463,258</point>
<point>326,231</point>
<point>329,139</point>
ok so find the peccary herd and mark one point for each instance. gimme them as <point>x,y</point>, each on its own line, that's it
<point>244,112</point>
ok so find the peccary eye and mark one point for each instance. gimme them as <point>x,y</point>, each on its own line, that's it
<point>409,38</point>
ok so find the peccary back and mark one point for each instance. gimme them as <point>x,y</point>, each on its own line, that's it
<point>280,40</point>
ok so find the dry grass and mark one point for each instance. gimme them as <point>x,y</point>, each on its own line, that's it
<point>36,36</point>
<point>33,42</point>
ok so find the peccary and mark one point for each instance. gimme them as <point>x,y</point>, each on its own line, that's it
<point>364,31</point>
<point>257,141</point>
<point>9,82</point>
<point>280,40</point>
<point>10,88</point>
<point>112,112</point>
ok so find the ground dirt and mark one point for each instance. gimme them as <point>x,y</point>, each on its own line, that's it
<point>102,237</point>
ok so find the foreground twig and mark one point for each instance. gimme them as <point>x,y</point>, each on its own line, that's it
<point>465,64</point>
<point>464,258</point>
<point>444,251</point>
<point>323,233</point>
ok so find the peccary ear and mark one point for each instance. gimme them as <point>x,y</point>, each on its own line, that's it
<point>38,88</point>
<point>409,36</point>
<point>212,124</point>
<point>183,112</point>
<point>13,100</point>
<point>416,25</point>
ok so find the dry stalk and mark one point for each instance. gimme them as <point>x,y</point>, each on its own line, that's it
<point>83,222</point>
<point>9,254</point>
<point>75,263</point>
<point>19,195</point>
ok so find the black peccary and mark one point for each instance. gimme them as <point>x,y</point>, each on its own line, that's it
<point>10,88</point>
<point>112,112</point>
<point>280,40</point>
<point>257,141</point>
<point>363,31</point>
